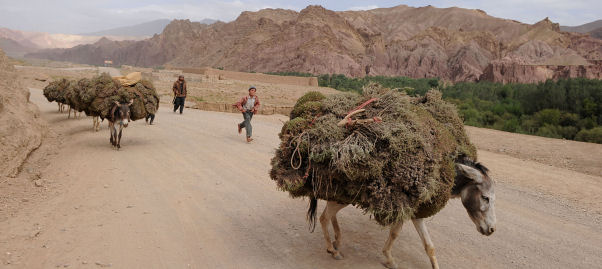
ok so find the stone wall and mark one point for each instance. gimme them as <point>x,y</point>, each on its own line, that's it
<point>221,107</point>
<point>251,77</point>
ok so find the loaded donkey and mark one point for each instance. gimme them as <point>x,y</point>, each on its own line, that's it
<point>472,185</point>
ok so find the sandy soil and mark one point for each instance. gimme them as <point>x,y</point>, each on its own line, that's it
<point>228,91</point>
<point>189,193</point>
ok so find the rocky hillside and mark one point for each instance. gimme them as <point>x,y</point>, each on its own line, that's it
<point>21,130</point>
<point>452,43</point>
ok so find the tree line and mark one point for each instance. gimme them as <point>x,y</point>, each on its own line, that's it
<point>565,108</point>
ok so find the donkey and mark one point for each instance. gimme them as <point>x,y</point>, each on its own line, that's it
<point>120,115</point>
<point>472,185</point>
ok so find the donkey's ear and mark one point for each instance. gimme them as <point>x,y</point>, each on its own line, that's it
<point>470,172</point>
<point>130,102</point>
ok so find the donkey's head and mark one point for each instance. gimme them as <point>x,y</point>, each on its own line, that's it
<point>122,113</point>
<point>476,189</point>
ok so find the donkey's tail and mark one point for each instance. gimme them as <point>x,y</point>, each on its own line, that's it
<point>311,213</point>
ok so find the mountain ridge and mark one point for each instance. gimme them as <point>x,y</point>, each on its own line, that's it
<point>454,44</point>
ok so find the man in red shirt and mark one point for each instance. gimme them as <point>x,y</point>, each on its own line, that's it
<point>248,105</point>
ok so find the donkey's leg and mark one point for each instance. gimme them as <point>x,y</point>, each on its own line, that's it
<point>97,126</point>
<point>335,224</point>
<point>393,233</point>
<point>324,220</point>
<point>111,129</point>
<point>426,240</point>
<point>119,140</point>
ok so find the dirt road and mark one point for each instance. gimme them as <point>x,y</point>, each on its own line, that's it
<point>114,72</point>
<point>189,193</point>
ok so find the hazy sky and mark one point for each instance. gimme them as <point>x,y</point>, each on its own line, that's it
<point>80,16</point>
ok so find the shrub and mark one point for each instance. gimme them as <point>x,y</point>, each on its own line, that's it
<point>548,131</point>
<point>592,135</point>
<point>548,116</point>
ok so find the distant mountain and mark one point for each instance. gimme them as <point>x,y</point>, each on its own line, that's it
<point>18,43</point>
<point>596,33</point>
<point>593,28</point>
<point>454,44</point>
<point>15,49</point>
<point>585,28</point>
<point>144,29</point>
<point>48,41</point>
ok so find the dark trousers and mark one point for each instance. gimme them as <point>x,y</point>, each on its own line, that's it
<point>179,103</point>
<point>150,117</point>
<point>247,115</point>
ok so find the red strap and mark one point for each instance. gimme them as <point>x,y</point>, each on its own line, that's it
<point>314,120</point>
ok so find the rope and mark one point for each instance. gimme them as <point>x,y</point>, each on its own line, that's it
<point>297,151</point>
<point>296,167</point>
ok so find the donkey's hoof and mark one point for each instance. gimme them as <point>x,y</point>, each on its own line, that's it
<point>337,255</point>
<point>390,265</point>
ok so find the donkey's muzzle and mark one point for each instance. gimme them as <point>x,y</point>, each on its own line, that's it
<point>486,231</point>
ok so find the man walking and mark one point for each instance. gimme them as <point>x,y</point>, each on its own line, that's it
<point>248,105</point>
<point>179,92</point>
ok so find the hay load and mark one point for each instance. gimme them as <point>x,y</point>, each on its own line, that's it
<point>107,91</point>
<point>73,94</point>
<point>394,157</point>
<point>96,96</point>
<point>55,91</point>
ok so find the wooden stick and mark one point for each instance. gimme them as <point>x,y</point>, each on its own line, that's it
<point>363,121</point>
<point>346,119</point>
